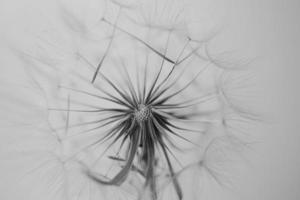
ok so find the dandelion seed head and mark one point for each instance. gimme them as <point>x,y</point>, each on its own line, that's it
<point>128,111</point>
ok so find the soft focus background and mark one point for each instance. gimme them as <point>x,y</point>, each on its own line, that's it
<point>266,30</point>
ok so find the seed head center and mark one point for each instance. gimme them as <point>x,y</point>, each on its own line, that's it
<point>142,113</point>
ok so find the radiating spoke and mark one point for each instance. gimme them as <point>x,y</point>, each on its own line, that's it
<point>141,41</point>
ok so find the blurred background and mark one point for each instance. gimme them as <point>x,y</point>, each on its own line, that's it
<point>266,30</point>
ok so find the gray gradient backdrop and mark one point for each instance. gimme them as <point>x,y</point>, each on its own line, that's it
<point>267,29</point>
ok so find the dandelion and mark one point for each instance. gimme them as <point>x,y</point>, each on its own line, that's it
<point>140,114</point>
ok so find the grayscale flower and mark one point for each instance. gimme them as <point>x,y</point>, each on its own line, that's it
<point>136,107</point>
